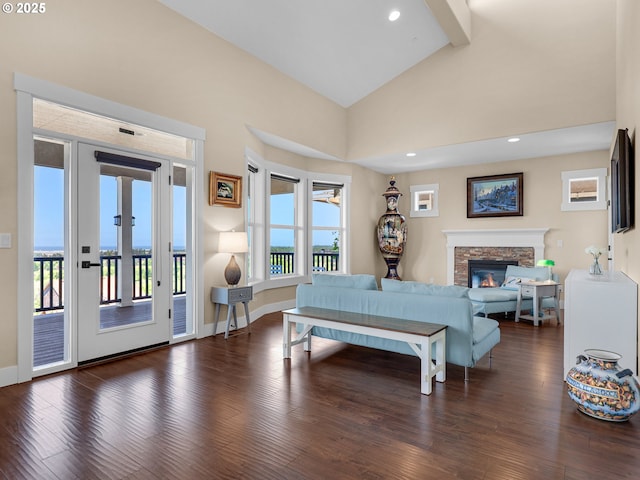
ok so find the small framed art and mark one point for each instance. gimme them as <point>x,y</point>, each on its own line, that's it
<point>225,190</point>
<point>494,196</point>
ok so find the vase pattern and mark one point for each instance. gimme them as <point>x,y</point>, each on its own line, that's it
<point>601,389</point>
<point>392,232</point>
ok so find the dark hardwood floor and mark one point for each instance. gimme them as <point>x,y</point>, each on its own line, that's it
<point>219,409</point>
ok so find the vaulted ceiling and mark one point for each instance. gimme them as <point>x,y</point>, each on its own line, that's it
<point>345,50</point>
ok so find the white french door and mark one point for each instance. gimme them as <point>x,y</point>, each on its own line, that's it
<point>123,289</point>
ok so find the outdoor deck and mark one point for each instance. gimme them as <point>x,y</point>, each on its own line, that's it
<point>48,328</point>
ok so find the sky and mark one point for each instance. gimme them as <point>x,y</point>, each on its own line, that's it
<point>49,211</point>
<point>49,214</point>
<point>282,213</point>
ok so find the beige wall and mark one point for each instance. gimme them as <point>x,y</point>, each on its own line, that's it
<point>627,245</point>
<point>144,55</point>
<point>425,259</point>
<point>531,66</point>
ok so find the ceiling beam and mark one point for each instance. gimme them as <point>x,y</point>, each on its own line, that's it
<point>454,17</point>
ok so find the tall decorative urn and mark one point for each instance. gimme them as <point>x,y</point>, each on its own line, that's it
<point>392,231</point>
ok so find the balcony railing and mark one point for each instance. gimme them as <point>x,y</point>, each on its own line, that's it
<point>282,263</point>
<point>48,273</point>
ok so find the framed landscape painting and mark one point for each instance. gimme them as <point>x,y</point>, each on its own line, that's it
<point>494,196</point>
<point>225,189</point>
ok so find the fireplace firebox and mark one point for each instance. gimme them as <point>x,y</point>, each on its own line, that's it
<point>487,273</point>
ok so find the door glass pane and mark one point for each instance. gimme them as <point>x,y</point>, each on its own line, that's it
<point>182,318</point>
<point>126,239</point>
<point>50,319</point>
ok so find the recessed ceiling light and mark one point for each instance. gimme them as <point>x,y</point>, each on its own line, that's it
<point>411,154</point>
<point>513,140</point>
<point>394,15</point>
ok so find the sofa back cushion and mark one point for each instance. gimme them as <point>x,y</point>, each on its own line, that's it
<point>361,281</point>
<point>389,285</point>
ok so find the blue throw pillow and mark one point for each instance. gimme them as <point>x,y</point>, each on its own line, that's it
<point>361,281</point>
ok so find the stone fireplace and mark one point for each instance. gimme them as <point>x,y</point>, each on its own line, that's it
<point>526,246</point>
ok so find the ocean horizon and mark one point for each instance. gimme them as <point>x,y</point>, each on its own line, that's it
<point>53,249</point>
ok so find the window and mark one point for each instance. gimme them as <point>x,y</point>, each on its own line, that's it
<point>285,225</point>
<point>296,223</point>
<point>584,189</point>
<point>424,200</point>
<point>255,223</point>
<point>327,229</point>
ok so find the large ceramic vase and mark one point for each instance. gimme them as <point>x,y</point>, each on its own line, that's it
<point>392,231</point>
<point>601,388</point>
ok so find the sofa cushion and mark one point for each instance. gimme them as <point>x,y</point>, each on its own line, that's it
<point>389,285</point>
<point>361,281</point>
<point>482,328</point>
<point>496,294</point>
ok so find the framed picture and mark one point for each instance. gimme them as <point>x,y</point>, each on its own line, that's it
<point>494,196</point>
<point>584,189</point>
<point>424,200</point>
<point>225,190</point>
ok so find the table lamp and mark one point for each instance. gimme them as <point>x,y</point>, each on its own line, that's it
<point>233,242</point>
<point>546,263</point>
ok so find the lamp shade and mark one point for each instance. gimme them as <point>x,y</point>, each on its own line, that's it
<point>545,262</point>
<point>233,242</point>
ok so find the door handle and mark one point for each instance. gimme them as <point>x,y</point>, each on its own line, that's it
<point>87,264</point>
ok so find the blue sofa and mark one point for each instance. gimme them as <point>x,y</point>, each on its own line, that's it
<point>503,299</point>
<point>469,338</point>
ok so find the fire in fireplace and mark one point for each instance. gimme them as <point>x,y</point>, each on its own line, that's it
<point>488,273</point>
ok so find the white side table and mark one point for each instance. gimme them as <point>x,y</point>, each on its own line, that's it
<point>230,296</point>
<point>537,291</point>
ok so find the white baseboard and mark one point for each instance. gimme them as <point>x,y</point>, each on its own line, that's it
<point>255,314</point>
<point>8,376</point>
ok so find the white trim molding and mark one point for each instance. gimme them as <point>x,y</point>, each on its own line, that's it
<point>516,237</point>
<point>28,88</point>
<point>8,376</point>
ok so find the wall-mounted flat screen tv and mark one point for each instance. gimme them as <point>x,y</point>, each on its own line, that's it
<point>622,183</point>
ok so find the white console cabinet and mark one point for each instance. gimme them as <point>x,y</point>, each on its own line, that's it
<point>601,313</point>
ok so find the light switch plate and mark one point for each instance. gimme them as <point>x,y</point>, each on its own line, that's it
<point>5,240</point>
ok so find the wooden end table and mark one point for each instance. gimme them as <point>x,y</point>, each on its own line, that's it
<point>537,291</point>
<point>230,296</point>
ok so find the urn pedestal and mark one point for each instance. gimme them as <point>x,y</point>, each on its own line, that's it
<point>392,232</point>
